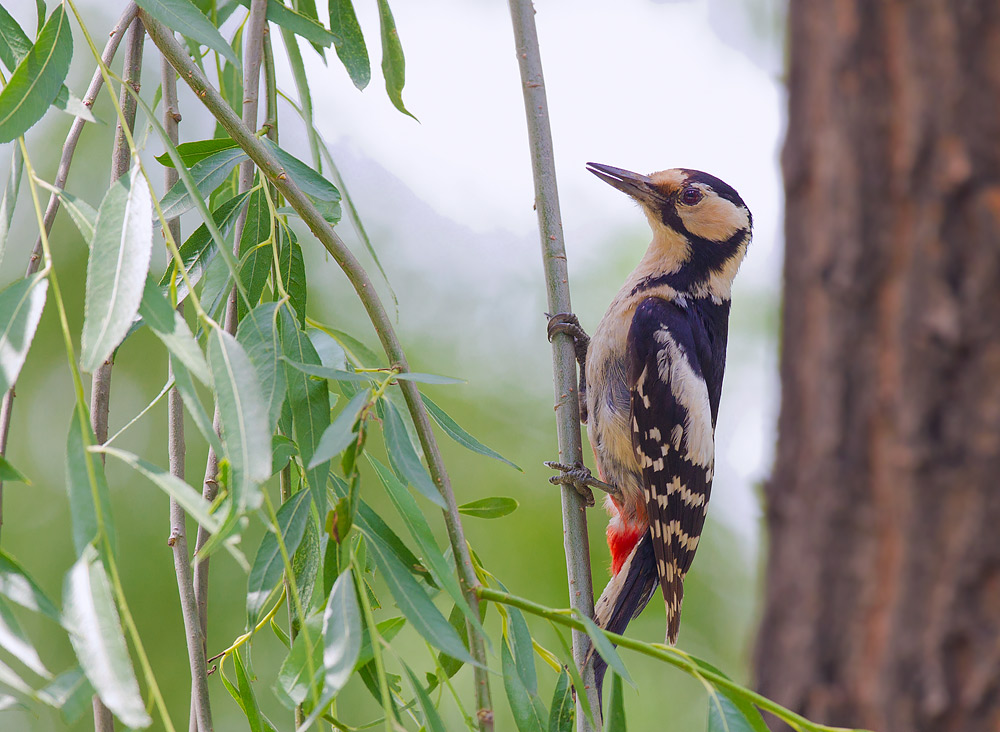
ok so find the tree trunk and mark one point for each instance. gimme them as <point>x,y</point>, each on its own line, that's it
<point>883,574</point>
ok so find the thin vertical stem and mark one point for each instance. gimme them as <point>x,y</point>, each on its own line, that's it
<point>62,173</point>
<point>201,712</point>
<point>575,540</point>
<point>252,53</point>
<point>379,317</point>
<point>121,157</point>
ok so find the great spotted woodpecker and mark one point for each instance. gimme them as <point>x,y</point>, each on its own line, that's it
<point>651,378</point>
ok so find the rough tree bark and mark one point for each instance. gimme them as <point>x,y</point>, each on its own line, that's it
<point>883,575</point>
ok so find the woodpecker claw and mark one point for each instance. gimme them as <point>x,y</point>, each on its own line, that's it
<point>580,477</point>
<point>569,324</point>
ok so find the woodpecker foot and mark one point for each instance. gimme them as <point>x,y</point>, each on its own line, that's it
<point>569,324</point>
<point>580,477</point>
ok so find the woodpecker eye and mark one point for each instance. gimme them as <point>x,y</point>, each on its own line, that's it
<point>691,195</point>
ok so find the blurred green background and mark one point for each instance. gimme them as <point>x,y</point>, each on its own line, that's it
<point>454,229</point>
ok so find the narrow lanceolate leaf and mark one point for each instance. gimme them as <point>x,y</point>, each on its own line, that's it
<point>183,17</point>
<point>298,674</point>
<point>605,648</point>
<point>309,400</point>
<point>192,152</point>
<point>83,214</point>
<point>116,270</point>
<point>428,378</point>
<point>14,641</point>
<point>37,78</point>
<point>255,250</point>
<point>305,177</point>
<point>393,64</point>
<point>416,606</point>
<point>341,633</point>
<point>322,371</point>
<point>21,307</point>
<point>14,44</point>
<point>171,328</point>
<point>69,692</point>
<point>68,102</point>
<point>9,473</point>
<point>527,708</point>
<point>725,716</point>
<point>258,334</point>
<point>9,199</point>
<point>198,251</point>
<point>297,23</point>
<point>563,710</point>
<point>750,712</point>
<point>207,175</point>
<point>246,436</point>
<point>268,564</point>
<point>340,433</point>
<point>18,587</point>
<point>351,49</point>
<point>495,507</point>
<point>247,699</point>
<point>404,458</point>
<point>459,435</point>
<point>188,498</point>
<point>193,405</point>
<point>292,269</point>
<point>90,616</point>
<point>81,464</point>
<point>616,706</point>
<point>432,719</point>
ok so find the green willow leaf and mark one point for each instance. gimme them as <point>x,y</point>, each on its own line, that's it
<point>292,269</point>
<point>495,507</point>
<point>297,23</point>
<point>243,414</point>
<point>616,706</point>
<point>258,334</point>
<point>404,459</point>
<point>297,677</point>
<point>70,693</point>
<point>21,305</point>
<point>529,712</point>
<point>14,44</point>
<point>9,473</point>
<point>116,270</point>
<point>416,606</point>
<point>340,433</point>
<point>351,49</point>
<point>15,642</point>
<point>83,214</point>
<point>247,699</point>
<point>428,378</point>
<point>199,250</point>
<point>255,259</point>
<point>341,633</point>
<point>192,152</point>
<point>95,633</point>
<point>68,102</point>
<point>182,16</point>
<point>170,327</point>
<point>37,79</point>
<point>562,713</point>
<point>406,505</point>
<point>744,705</point>
<point>79,464</point>
<point>18,587</point>
<point>189,499</point>
<point>207,175</point>
<point>268,565</point>
<point>432,719</point>
<point>309,400</point>
<point>393,63</point>
<point>459,435</point>
<point>9,199</point>
<point>325,372</point>
<point>312,183</point>
<point>605,647</point>
<point>193,405</point>
<point>725,716</point>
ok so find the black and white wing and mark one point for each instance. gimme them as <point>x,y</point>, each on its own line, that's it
<point>674,438</point>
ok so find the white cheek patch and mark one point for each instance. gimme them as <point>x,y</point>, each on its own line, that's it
<point>691,392</point>
<point>715,218</point>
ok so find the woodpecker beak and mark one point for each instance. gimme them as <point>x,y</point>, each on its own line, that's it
<point>639,187</point>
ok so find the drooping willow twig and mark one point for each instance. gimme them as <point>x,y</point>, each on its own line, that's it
<point>575,540</point>
<point>377,313</point>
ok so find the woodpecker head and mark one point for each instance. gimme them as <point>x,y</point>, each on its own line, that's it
<point>701,226</point>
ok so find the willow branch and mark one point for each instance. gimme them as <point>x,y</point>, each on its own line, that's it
<point>575,539</point>
<point>68,149</point>
<point>252,51</point>
<point>376,311</point>
<point>121,157</point>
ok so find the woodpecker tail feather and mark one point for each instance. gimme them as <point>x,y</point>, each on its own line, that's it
<point>625,596</point>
